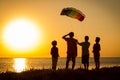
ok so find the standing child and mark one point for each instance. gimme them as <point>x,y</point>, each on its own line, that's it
<point>54,54</point>
<point>85,52</point>
<point>71,49</point>
<point>96,52</point>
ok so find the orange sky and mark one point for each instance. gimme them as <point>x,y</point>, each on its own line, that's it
<point>102,19</point>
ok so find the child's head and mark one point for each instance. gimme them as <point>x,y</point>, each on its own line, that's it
<point>54,43</point>
<point>71,34</point>
<point>97,39</point>
<point>86,38</point>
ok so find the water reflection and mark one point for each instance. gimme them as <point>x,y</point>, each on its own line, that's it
<point>19,64</point>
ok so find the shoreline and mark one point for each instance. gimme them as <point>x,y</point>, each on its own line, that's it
<point>106,73</point>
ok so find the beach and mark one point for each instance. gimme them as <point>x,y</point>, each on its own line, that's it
<point>106,73</point>
<point>59,40</point>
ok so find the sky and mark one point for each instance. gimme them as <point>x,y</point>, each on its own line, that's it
<point>101,20</point>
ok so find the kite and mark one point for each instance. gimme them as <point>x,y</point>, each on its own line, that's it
<point>73,13</point>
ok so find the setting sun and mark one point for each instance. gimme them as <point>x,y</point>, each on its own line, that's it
<point>21,35</point>
<point>27,27</point>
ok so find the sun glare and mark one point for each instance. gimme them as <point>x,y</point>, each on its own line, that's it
<point>21,34</point>
<point>19,64</point>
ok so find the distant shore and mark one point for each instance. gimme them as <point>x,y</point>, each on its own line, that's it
<point>106,73</point>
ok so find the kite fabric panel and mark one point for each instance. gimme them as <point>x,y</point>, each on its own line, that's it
<point>73,13</point>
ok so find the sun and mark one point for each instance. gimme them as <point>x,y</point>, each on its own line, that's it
<point>21,35</point>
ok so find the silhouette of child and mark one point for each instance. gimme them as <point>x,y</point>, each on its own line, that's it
<point>54,54</point>
<point>71,49</point>
<point>85,52</point>
<point>96,52</point>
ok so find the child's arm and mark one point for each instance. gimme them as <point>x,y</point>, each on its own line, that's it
<point>64,37</point>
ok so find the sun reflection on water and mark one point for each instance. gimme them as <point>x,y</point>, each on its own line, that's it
<point>19,64</point>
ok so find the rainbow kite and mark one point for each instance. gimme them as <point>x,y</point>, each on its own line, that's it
<point>73,13</point>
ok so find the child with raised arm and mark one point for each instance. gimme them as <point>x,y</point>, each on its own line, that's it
<point>71,49</point>
<point>85,52</point>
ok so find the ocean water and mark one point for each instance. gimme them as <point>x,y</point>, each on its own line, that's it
<point>22,64</point>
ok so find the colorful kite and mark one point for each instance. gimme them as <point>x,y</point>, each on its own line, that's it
<point>74,13</point>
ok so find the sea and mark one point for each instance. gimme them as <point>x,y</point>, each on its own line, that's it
<point>23,64</point>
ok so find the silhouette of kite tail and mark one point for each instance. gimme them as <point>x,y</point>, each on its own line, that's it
<point>73,13</point>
